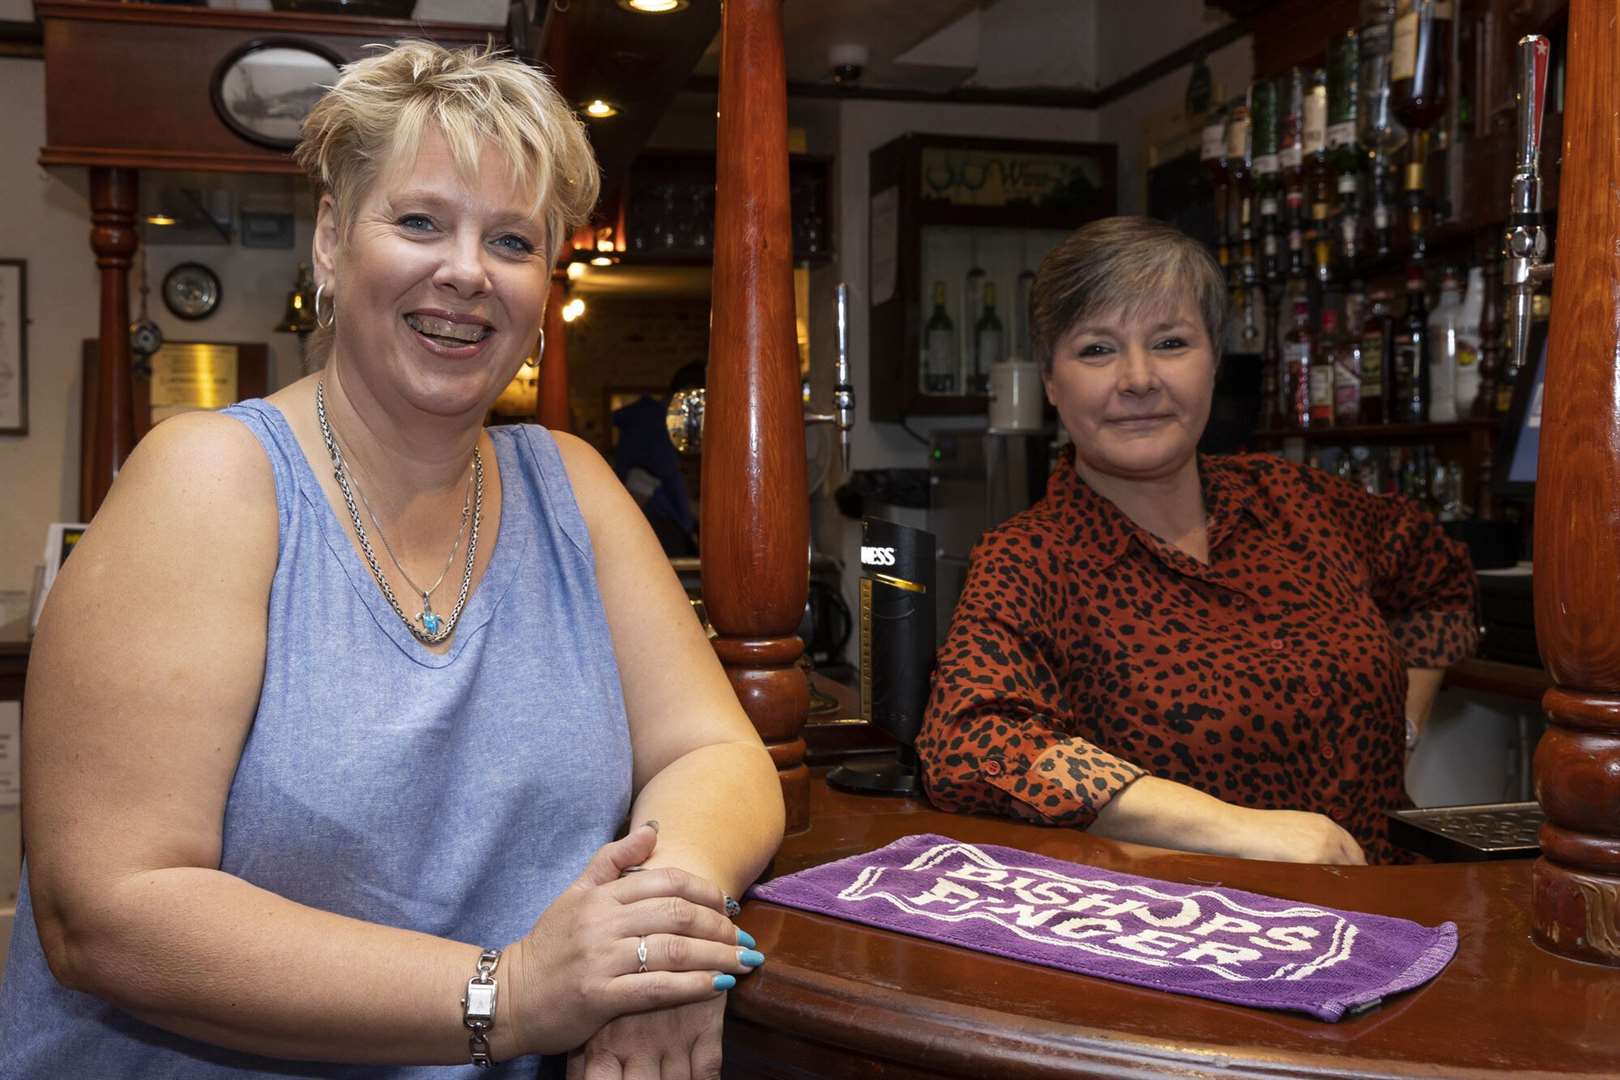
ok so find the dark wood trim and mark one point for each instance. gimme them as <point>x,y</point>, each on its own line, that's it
<point>1149,73</point>
<point>21,40</point>
<point>169,160</point>
<point>551,402</point>
<point>289,22</point>
<point>114,199</point>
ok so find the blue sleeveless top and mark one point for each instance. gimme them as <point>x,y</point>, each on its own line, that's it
<point>453,794</point>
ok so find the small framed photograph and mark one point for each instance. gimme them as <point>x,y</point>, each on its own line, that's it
<point>13,347</point>
<point>263,90</point>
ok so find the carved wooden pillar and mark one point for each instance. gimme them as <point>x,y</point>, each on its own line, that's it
<point>551,406</point>
<point>112,211</point>
<point>1576,886</point>
<point>756,510</point>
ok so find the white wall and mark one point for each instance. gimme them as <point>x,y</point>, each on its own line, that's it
<point>46,222</point>
<point>45,219</point>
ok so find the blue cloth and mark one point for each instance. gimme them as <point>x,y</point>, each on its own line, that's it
<point>453,794</point>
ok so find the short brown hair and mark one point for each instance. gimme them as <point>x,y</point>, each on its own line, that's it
<point>1133,263</point>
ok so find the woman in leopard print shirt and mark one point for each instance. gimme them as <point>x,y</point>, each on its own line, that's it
<point>1212,654</point>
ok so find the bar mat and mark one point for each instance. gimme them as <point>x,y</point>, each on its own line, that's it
<point>1210,942</point>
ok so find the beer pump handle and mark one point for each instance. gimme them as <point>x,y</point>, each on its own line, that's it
<point>1526,241</point>
<point>844,389</point>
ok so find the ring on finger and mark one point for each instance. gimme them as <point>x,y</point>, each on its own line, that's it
<point>641,956</point>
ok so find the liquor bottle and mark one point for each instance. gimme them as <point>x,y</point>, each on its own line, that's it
<point>986,343</point>
<point>1377,345</point>
<point>1444,350</point>
<point>1420,62</point>
<point>1409,404</point>
<point>1468,332</point>
<point>1323,371</point>
<point>1383,216</point>
<point>1344,356</point>
<point>1292,154</point>
<point>1343,81</point>
<point>1240,193</point>
<point>939,367</point>
<point>1318,181</point>
<point>1380,132</point>
<point>1294,379</point>
<point>1267,120</point>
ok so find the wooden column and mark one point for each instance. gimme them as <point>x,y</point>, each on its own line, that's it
<point>1576,885</point>
<point>551,407</point>
<point>756,511</point>
<point>113,201</point>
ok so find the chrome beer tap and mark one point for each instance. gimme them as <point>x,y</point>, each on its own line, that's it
<point>1525,244</point>
<point>684,420</point>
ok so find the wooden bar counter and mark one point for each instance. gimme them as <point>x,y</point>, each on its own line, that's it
<point>837,999</point>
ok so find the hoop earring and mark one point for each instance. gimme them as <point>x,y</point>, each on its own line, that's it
<point>540,353</point>
<point>325,324</point>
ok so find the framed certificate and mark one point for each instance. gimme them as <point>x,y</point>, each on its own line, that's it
<point>13,347</point>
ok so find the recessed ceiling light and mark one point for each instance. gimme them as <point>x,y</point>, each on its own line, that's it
<point>600,109</point>
<point>159,219</point>
<point>576,270</point>
<point>602,260</point>
<point>653,7</point>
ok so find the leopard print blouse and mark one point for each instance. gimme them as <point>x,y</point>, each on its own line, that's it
<point>1085,652</point>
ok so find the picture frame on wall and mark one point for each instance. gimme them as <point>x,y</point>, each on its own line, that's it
<point>13,347</point>
<point>263,90</point>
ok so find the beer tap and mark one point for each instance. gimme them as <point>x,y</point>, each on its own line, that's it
<point>1526,241</point>
<point>684,420</point>
<point>843,414</point>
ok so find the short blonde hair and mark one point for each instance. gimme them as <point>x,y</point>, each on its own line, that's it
<point>380,107</point>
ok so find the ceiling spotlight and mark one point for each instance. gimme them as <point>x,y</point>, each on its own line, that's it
<point>598,109</point>
<point>653,7</point>
<point>576,270</point>
<point>602,260</point>
<point>159,219</point>
<point>573,309</point>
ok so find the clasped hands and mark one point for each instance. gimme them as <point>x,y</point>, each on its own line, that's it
<point>578,981</point>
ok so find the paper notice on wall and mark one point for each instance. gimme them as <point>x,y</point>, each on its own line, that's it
<point>10,753</point>
<point>885,246</point>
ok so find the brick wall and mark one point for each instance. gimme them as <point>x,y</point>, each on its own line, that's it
<point>629,343</point>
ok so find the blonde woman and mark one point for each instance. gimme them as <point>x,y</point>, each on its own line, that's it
<point>336,712</point>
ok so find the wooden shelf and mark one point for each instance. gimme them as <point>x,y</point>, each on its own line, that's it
<point>1382,433</point>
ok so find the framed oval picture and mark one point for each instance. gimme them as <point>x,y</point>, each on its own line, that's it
<point>264,90</point>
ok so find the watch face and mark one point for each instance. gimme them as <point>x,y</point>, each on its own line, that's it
<point>191,291</point>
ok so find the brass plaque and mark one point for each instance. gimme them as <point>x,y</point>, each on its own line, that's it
<point>190,377</point>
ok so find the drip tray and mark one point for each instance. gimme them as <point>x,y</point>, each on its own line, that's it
<point>1469,833</point>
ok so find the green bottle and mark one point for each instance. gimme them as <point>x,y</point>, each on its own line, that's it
<point>987,341</point>
<point>939,348</point>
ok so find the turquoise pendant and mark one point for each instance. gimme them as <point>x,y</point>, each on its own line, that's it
<point>430,621</point>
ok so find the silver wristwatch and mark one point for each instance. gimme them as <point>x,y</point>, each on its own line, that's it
<point>478,1008</point>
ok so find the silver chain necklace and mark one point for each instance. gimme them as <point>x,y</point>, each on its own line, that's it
<point>434,628</point>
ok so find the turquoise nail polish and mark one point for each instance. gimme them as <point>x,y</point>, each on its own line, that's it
<point>751,958</point>
<point>724,982</point>
<point>744,938</point>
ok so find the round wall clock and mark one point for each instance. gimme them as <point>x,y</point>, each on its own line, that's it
<point>191,291</point>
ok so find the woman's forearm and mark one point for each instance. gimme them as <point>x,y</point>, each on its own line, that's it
<point>210,956</point>
<point>719,813</point>
<point>1163,813</point>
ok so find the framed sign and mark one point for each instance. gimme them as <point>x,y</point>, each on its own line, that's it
<point>13,347</point>
<point>263,90</point>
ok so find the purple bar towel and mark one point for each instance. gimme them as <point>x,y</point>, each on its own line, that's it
<point>1210,942</point>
